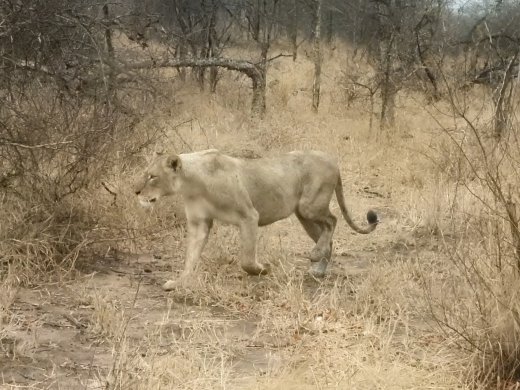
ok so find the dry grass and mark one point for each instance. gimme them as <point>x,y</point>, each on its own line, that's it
<point>420,303</point>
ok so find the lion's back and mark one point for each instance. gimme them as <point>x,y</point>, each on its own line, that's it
<point>315,162</point>
<point>208,163</point>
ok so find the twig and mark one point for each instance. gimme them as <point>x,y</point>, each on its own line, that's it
<point>114,194</point>
<point>513,223</point>
<point>73,321</point>
<point>278,56</point>
<point>179,135</point>
<point>40,146</point>
<point>125,272</point>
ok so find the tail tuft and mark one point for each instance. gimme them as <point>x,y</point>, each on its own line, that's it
<point>372,217</point>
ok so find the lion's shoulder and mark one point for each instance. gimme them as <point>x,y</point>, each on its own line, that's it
<point>208,162</point>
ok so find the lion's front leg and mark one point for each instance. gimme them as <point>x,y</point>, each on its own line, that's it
<point>198,232</point>
<point>248,235</point>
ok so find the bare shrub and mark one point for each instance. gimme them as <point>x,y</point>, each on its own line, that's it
<point>63,127</point>
<point>478,303</point>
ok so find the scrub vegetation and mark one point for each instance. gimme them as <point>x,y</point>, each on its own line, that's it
<point>419,102</point>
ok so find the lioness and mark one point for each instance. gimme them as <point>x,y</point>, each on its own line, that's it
<point>248,194</point>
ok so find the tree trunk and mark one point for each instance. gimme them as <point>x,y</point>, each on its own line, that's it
<point>502,99</point>
<point>317,56</point>
<point>110,53</point>
<point>266,20</point>
<point>213,79</point>
<point>427,69</point>
<point>515,232</point>
<point>209,49</point>
<point>212,49</point>
<point>180,53</point>
<point>387,118</point>
<point>258,105</point>
<point>330,29</point>
<point>108,32</point>
<point>388,85</point>
<point>294,30</point>
<point>254,22</point>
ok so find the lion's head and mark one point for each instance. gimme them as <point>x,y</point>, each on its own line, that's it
<point>163,177</point>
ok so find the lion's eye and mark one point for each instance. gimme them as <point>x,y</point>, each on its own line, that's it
<point>151,177</point>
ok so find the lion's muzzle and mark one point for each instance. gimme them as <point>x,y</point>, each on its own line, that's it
<point>146,203</point>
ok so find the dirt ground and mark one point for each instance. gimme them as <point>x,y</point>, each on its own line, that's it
<point>113,325</point>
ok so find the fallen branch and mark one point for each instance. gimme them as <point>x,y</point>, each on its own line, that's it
<point>248,68</point>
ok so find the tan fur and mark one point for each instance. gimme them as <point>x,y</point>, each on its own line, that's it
<point>248,194</point>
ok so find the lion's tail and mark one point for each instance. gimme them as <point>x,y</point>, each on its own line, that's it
<point>372,217</point>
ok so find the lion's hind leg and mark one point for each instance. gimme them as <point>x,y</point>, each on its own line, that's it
<point>312,228</point>
<point>320,227</point>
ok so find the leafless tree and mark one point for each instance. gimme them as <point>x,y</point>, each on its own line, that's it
<point>493,48</point>
<point>403,39</point>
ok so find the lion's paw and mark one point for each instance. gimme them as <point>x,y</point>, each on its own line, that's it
<point>319,254</point>
<point>170,285</point>
<point>318,269</point>
<point>180,283</point>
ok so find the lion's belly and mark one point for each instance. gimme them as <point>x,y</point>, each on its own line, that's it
<point>274,185</point>
<point>274,202</point>
<point>267,213</point>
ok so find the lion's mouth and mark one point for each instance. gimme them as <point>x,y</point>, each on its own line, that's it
<point>147,202</point>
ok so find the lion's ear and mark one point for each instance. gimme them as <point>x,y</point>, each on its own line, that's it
<point>173,162</point>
